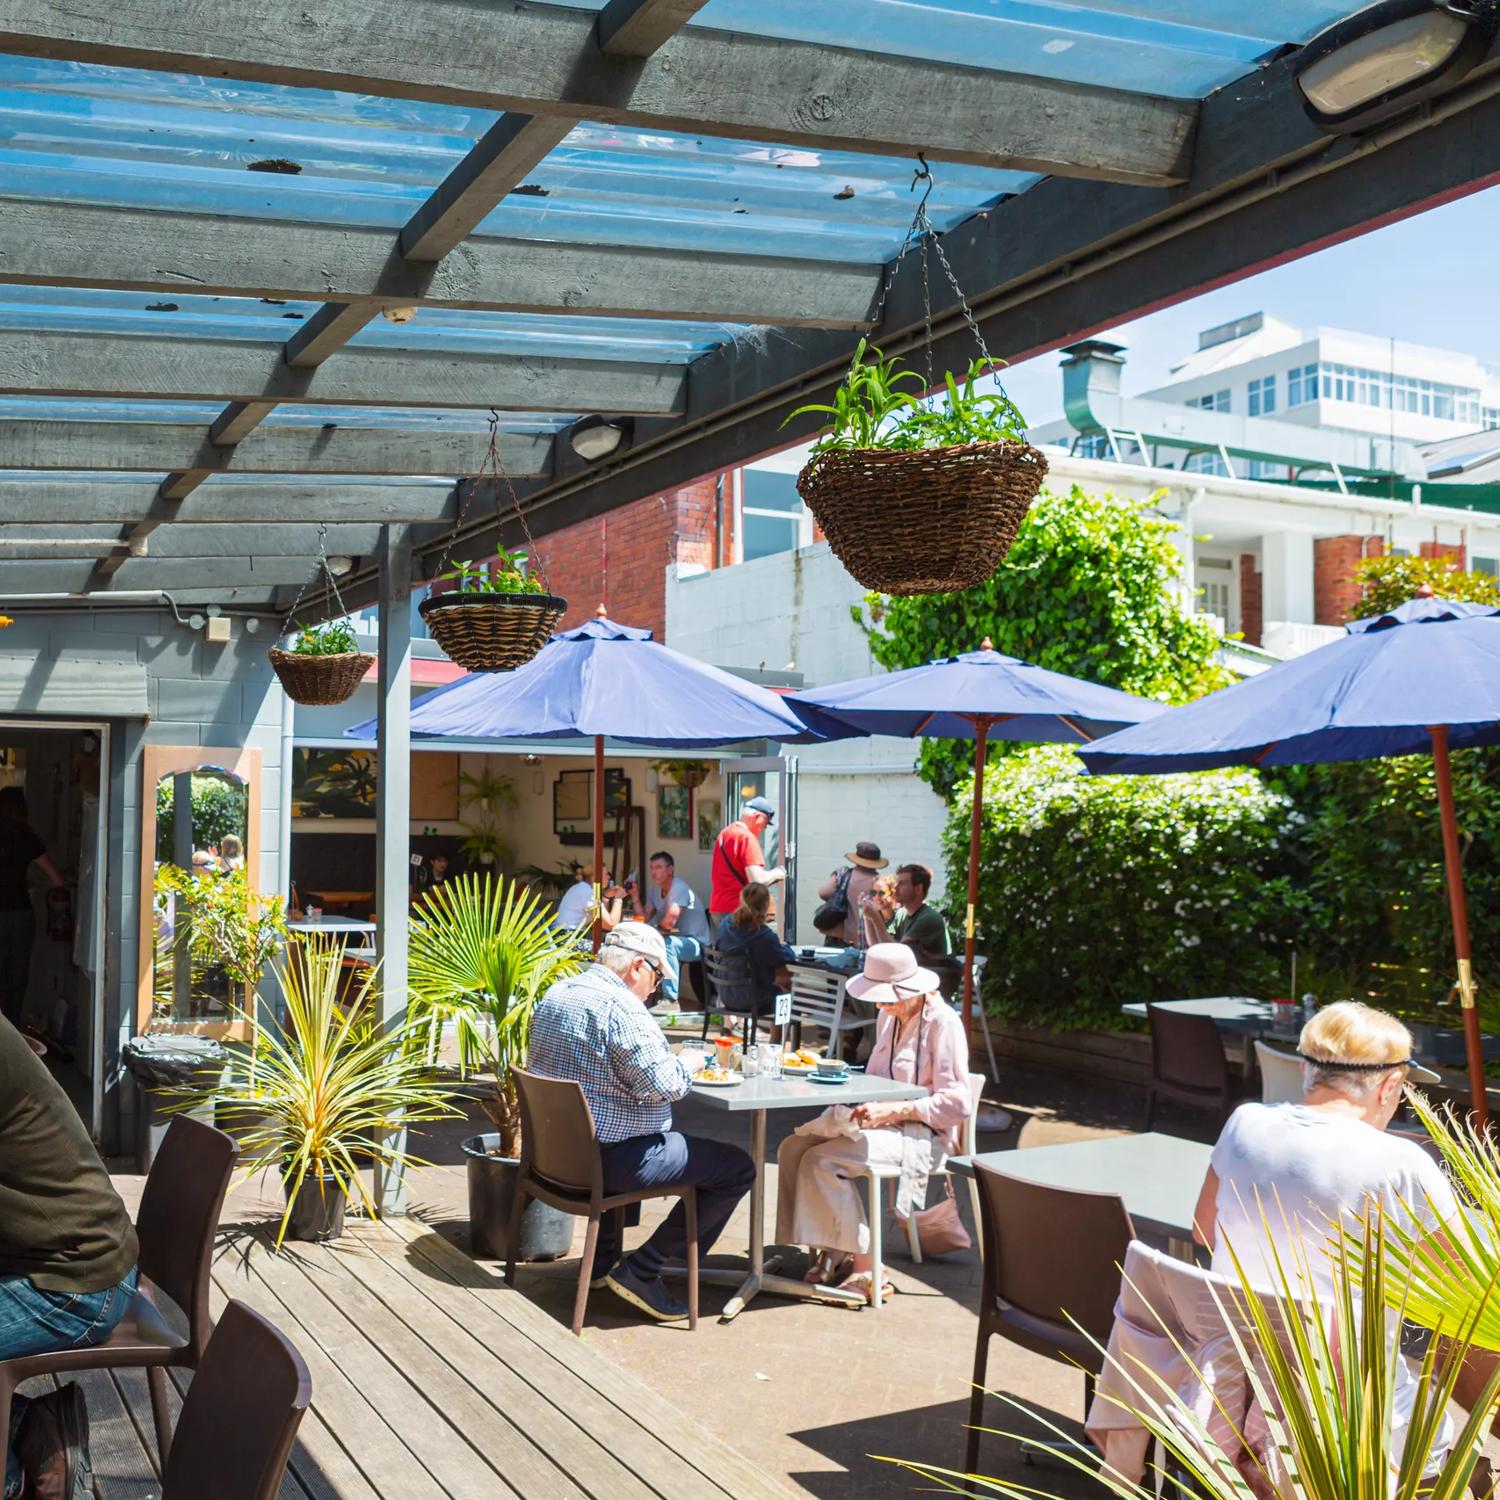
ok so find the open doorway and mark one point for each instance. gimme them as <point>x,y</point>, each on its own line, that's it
<point>52,793</point>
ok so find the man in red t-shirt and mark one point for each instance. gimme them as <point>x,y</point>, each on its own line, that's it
<point>738,859</point>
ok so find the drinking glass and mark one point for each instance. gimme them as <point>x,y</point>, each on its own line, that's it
<point>752,1064</point>
<point>770,1060</point>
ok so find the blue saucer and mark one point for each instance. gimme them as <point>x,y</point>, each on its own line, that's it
<point>828,1078</point>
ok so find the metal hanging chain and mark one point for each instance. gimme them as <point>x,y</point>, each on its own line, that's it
<point>922,230</point>
<point>321,567</point>
<point>494,469</point>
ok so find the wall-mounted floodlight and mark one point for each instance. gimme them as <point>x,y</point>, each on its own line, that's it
<point>1390,56</point>
<point>593,438</point>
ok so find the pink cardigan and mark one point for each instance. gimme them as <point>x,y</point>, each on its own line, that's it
<point>943,1066</point>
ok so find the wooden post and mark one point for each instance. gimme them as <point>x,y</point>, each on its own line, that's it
<point>393,806</point>
<point>981,725</point>
<point>1458,907</point>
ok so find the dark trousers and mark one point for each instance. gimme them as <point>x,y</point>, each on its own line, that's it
<point>17,936</point>
<point>722,1174</point>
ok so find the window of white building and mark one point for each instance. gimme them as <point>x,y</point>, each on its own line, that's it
<point>1490,565</point>
<point>1218,589</point>
<point>771,515</point>
<point>1263,396</point>
<point>1302,385</point>
<point>1381,389</point>
<point>1213,401</point>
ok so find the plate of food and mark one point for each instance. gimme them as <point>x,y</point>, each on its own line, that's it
<point>718,1078</point>
<point>803,1060</point>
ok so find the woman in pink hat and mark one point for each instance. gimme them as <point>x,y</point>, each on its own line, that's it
<point>918,1038</point>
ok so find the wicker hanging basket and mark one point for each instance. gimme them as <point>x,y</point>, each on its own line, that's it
<point>927,521</point>
<point>320,681</point>
<point>492,632</point>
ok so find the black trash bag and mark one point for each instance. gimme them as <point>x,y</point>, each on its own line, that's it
<point>165,1060</point>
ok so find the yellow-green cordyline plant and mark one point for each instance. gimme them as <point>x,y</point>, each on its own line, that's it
<point>1444,1283</point>
<point>1323,1375</point>
<point>334,1089</point>
<point>483,951</point>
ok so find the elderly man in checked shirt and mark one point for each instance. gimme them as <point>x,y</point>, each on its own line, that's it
<point>594,1028</point>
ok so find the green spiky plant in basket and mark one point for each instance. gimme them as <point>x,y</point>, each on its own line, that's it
<point>917,498</point>
<point>1325,1378</point>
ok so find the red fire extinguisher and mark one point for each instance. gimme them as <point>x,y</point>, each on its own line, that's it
<point>60,914</point>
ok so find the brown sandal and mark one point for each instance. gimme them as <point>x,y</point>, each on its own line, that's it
<point>828,1268</point>
<point>864,1281</point>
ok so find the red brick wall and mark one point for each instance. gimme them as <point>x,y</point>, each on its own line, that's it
<point>1252,612</point>
<point>1335,592</point>
<point>620,559</point>
<point>1453,550</point>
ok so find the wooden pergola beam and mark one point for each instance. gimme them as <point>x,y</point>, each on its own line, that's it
<point>157,447</point>
<point>37,362</point>
<point>544,60</point>
<point>41,502</point>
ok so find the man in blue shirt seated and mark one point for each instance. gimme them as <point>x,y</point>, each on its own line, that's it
<point>594,1029</point>
<point>673,908</point>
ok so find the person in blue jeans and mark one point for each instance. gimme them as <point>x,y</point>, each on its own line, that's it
<point>673,908</point>
<point>593,1028</point>
<point>67,1265</point>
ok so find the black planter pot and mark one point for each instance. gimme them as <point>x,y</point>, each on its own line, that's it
<point>238,1118</point>
<point>317,1210</point>
<point>546,1232</point>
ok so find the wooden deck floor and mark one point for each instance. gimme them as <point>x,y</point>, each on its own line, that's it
<point>432,1380</point>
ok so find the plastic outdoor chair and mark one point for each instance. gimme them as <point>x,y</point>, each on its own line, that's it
<point>178,1221</point>
<point>879,1176</point>
<point>818,1000</point>
<point>1280,1075</point>
<point>235,1434</point>
<point>1052,1259</point>
<point>1188,1064</point>
<point>730,989</point>
<point>561,1166</point>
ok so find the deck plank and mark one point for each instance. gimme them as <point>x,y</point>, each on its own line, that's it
<point>542,1450</point>
<point>361,1424</point>
<point>721,1470</point>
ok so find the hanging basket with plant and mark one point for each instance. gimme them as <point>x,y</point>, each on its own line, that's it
<point>917,498</point>
<point>494,617</point>
<point>324,665</point>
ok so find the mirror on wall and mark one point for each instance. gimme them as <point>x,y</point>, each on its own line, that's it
<point>199,818</point>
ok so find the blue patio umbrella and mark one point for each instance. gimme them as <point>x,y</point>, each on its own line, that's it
<point>1424,677</point>
<point>980,695</point>
<point>605,679</point>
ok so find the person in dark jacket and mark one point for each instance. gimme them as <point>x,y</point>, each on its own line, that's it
<point>745,931</point>
<point>20,848</point>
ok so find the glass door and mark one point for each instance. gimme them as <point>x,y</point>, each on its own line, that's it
<point>773,777</point>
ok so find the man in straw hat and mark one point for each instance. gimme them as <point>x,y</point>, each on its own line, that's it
<point>857,879</point>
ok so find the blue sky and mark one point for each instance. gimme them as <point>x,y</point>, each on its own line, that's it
<point>1427,280</point>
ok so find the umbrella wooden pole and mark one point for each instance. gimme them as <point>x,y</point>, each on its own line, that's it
<point>598,840</point>
<point>981,733</point>
<point>1459,907</point>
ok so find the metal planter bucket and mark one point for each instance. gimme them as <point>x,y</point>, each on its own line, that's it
<point>546,1232</point>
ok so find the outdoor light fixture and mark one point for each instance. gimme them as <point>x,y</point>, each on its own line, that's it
<point>1389,56</point>
<point>398,314</point>
<point>593,438</point>
<point>338,565</point>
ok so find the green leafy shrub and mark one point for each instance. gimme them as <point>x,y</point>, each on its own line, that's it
<point>1389,581</point>
<point>220,806</point>
<point>1086,590</point>
<point>1098,890</point>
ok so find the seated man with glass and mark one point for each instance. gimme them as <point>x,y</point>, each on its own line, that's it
<point>672,907</point>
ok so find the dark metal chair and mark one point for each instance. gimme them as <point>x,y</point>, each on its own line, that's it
<point>1188,1064</point>
<point>176,1227</point>
<point>731,988</point>
<point>561,1165</point>
<point>1052,1259</point>
<point>241,1414</point>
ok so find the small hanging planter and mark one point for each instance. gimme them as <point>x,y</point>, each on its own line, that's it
<point>918,499</point>
<point>492,619</point>
<point>324,666</point>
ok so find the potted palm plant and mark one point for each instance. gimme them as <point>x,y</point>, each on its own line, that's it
<point>324,665</point>
<point>332,1091</point>
<point>483,951</point>
<point>492,619</point>
<point>918,499</point>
